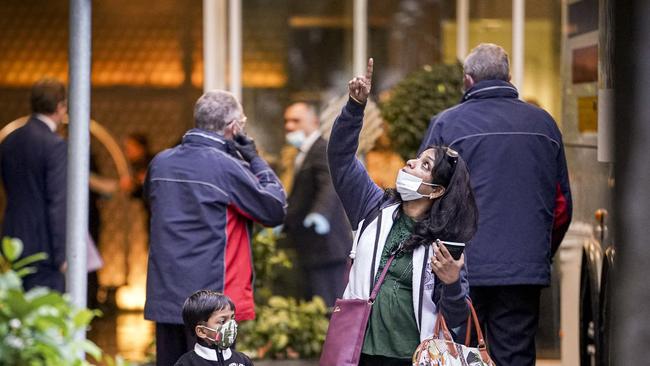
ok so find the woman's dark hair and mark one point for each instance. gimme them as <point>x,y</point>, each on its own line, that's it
<point>198,308</point>
<point>454,216</point>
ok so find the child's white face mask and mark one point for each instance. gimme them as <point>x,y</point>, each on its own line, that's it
<point>408,184</point>
<point>226,334</point>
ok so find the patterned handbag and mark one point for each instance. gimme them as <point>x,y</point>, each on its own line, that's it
<point>436,351</point>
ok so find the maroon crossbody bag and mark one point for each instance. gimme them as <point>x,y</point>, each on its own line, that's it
<point>347,327</point>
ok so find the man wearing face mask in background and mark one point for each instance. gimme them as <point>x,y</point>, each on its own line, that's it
<point>204,195</point>
<point>316,224</point>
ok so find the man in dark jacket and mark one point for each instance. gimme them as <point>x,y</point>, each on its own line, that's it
<point>519,175</point>
<point>204,195</point>
<point>316,224</point>
<point>33,166</point>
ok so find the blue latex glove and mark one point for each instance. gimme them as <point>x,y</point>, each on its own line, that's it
<point>318,221</point>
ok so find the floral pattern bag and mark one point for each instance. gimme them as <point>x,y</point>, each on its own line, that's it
<point>437,351</point>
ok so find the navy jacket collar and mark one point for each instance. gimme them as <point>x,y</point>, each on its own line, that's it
<point>491,89</point>
<point>207,138</point>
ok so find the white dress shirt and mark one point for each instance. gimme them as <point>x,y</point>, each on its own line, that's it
<point>304,149</point>
<point>47,120</point>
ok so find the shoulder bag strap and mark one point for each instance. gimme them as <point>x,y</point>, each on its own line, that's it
<point>375,290</point>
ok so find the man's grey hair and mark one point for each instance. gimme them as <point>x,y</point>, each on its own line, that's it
<point>487,61</point>
<point>216,109</point>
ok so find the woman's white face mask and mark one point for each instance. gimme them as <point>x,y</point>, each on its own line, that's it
<point>407,186</point>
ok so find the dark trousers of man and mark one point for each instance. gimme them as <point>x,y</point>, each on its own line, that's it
<point>326,282</point>
<point>46,277</point>
<point>508,317</point>
<point>172,341</point>
<point>367,360</point>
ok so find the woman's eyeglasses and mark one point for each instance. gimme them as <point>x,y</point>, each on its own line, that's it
<point>452,156</point>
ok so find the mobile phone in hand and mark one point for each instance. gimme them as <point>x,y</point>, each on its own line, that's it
<point>454,248</point>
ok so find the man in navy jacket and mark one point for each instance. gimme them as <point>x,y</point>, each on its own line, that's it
<point>204,195</point>
<point>33,165</point>
<point>519,175</point>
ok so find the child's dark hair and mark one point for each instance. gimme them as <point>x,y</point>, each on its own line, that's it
<point>198,308</point>
<point>454,216</point>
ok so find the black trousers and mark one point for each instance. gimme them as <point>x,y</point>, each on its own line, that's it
<point>172,341</point>
<point>509,318</point>
<point>326,282</point>
<point>368,360</point>
<point>46,277</point>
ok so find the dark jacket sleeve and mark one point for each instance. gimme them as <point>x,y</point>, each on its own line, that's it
<point>563,203</point>
<point>55,196</point>
<point>451,300</point>
<point>358,193</point>
<point>257,192</point>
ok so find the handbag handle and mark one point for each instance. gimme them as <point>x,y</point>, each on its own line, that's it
<point>441,323</point>
<point>471,318</point>
<point>380,280</point>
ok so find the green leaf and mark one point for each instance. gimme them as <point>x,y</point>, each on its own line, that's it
<point>83,318</point>
<point>48,298</point>
<point>12,248</point>
<point>25,271</point>
<point>30,259</point>
<point>91,348</point>
<point>10,280</point>
<point>17,303</point>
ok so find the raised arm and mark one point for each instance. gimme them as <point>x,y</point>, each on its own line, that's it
<point>358,193</point>
<point>258,193</point>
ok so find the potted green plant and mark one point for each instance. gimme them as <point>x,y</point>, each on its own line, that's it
<point>38,327</point>
<point>286,331</point>
<point>415,100</point>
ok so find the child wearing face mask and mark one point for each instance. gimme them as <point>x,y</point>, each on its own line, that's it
<point>210,316</point>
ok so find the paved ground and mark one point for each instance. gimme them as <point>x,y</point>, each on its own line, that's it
<point>128,334</point>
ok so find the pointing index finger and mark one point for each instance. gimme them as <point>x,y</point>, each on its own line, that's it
<point>369,69</point>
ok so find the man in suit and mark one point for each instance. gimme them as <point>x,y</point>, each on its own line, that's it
<point>33,168</point>
<point>316,224</point>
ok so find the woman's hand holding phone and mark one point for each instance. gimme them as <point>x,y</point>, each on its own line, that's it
<point>446,268</point>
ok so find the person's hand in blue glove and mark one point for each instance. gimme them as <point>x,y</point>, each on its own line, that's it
<point>318,221</point>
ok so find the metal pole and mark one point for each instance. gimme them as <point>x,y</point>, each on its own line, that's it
<point>462,29</point>
<point>214,44</point>
<point>518,37</point>
<point>605,81</point>
<point>631,313</point>
<point>78,152</point>
<point>360,37</point>
<point>235,25</point>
